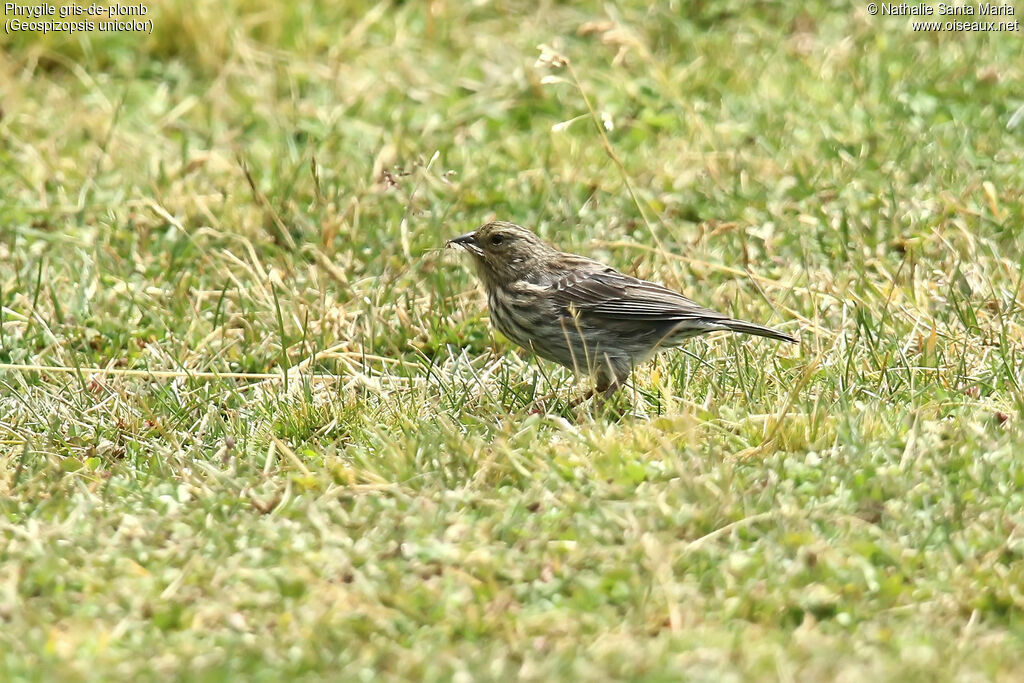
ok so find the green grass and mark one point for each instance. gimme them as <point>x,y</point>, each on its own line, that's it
<point>256,188</point>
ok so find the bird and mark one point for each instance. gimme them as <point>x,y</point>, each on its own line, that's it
<point>582,313</point>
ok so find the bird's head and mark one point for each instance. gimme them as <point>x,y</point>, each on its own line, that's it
<point>504,252</point>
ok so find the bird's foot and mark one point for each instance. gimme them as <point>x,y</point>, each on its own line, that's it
<point>539,406</point>
<point>579,400</point>
<point>602,395</point>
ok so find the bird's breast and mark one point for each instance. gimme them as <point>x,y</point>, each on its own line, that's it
<point>511,316</point>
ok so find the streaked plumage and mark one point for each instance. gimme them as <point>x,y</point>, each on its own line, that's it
<point>581,313</point>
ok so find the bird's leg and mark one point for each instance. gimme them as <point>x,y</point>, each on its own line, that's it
<point>609,389</point>
<point>605,386</point>
<point>610,380</point>
<point>602,392</point>
<point>606,383</point>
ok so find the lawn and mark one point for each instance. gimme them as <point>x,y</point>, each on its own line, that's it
<point>255,424</point>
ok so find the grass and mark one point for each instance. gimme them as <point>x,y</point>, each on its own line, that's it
<point>307,455</point>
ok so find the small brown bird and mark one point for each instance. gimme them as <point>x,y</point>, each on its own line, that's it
<point>581,313</point>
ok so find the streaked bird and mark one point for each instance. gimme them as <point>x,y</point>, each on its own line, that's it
<point>581,313</point>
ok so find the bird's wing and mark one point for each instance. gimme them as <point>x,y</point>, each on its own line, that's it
<point>606,293</point>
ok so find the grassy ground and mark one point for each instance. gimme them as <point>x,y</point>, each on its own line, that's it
<point>256,188</point>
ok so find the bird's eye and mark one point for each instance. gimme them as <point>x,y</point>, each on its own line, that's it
<point>496,240</point>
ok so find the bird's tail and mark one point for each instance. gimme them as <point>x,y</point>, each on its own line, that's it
<point>760,330</point>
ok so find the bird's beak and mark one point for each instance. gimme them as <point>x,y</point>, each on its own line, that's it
<point>467,242</point>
